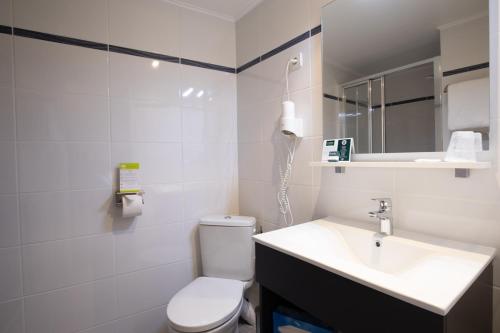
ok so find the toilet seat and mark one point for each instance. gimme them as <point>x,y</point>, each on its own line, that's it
<point>204,304</point>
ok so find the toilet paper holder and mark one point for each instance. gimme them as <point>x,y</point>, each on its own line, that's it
<point>120,195</point>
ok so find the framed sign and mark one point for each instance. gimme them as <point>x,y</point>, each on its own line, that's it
<point>338,150</point>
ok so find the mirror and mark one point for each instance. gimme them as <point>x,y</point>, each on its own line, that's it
<point>401,76</point>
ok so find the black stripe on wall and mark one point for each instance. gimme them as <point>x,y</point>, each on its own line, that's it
<point>316,30</point>
<point>286,45</point>
<point>112,48</point>
<point>339,99</point>
<point>5,30</point>
<point>143,54</point>
<point>59,39</point>
<point>208,66</point>
<point>406,101</point>
<point>335,98</point>
<point>467,69</point>
<point>280,48</point>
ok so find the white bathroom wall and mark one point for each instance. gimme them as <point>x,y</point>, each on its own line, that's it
<point>68,115</point>
<point>427,201</point>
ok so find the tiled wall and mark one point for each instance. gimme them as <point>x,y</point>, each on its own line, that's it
<point>428,201</point>
<point>68,116</point>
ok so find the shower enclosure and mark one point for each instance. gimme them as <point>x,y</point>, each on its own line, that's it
<point>393,111</point>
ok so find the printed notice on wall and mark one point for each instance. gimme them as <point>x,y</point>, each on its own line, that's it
<point>337,150</point>
<point>129,178</point>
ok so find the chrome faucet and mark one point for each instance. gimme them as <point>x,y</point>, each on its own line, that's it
<point>384,215</point>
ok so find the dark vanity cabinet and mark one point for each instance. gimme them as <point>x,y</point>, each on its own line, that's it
<point>351,307</point>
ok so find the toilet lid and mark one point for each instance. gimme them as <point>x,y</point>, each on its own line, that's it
<point>204,304</point>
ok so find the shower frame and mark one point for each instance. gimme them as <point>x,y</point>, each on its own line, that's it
<point>368,81</point>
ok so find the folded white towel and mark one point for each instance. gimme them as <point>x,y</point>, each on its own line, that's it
<point>469,105</point>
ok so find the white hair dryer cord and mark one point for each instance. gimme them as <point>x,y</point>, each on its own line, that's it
<point>285,175</point>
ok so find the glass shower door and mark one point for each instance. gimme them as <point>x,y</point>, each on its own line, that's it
<point>356,116</point>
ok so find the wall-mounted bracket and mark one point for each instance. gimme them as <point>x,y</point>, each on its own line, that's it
<point>120,195</point>
<point>339,169</point>
<point>462,173</point>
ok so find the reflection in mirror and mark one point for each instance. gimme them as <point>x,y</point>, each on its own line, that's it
<point>403,75</point>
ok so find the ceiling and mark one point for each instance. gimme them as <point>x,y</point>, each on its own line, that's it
<point>231,10</point>
<point>363,37</point>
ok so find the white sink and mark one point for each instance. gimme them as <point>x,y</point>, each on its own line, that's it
<point>425,271</point>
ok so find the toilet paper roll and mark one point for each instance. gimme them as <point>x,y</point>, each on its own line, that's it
<point>131,205</point>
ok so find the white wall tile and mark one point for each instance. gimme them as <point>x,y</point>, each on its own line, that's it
<point>270,114</point>
<point>252,161</point>
<point>218,89</point>
<point>57,264</point>
<point>441,183</point>
<point>272,72</point>
<point>249,123</point>
<point>207,38</point>
<point>57,68</point>
<point>302,172</point>
<point>316,60</point>
<point>149,25</point>
<point>149,321</point>
<point>251,198</point>
<point>8,182</point>
<point>161,163</point>
<point>146,289</point>
<point>250,90</point>
<point>71,309</point>
<point>205,198</point>
<point>150,247</point>
<point>84,19</point>
<point>302,205</point>
<point>58,215</point>
<point>6,89</point>
<point>43,166</point>
<point>70,118</point>
<point>135,78</point>
<point>164,206</point>
<point>54,166</point>
<point>10,273</point>
<point>11,317</point>
<point>6,64</point>
<point>5,12</point>
<point>109,327</point>
<point>269,208</point>
<point>208,126</point>
<point>56,116</point>
<point>148,121</point>
<point>203,162</point>
<point>464,220</point>
<point>9,228</point>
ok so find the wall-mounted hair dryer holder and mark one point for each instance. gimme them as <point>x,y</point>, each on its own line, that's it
<point>289,124</point>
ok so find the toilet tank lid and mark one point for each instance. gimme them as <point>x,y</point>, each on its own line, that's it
<point>228,221</point>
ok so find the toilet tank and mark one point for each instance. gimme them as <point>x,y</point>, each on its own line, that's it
<point>227,246</point>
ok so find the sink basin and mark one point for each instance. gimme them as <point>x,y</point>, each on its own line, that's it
<point>428,272</point>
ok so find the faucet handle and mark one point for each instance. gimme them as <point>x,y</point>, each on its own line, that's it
<point>384,203</point>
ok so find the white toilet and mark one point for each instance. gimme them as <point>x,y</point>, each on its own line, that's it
<point>213,303</point>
